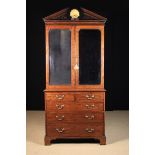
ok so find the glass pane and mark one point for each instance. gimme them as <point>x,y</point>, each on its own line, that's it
<point>89,57</point>
<point>59,57</point>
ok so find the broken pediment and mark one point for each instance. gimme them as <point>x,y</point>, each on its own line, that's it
<point>81,14</point>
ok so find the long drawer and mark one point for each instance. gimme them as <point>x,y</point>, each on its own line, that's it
<point>75,97</point>
<point>75,130</point>
<point>73,106</point>
<point>85,117</point>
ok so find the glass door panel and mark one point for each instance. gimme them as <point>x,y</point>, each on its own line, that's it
<point>59,57</point>
<point>89,57</point>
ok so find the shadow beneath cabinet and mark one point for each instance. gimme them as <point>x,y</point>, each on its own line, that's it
<point>83,140</point>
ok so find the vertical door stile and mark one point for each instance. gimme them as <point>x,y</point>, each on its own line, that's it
<point>102,56</point>
<point>77,55</point>
<point>73,62</point>
<point>72,57</point>
<point>47,55</point>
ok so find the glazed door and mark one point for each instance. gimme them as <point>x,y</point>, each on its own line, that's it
<point>89,57</point>
<point>59,57</point>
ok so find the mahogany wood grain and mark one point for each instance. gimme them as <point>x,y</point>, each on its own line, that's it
<point>75,96</point>
<point>89,97</point>
<point>48,28</point>
<point>61,130</point>
<point>83,117</point>
<point>60,97</point>
<point>74,57</point>
<point>74,111</point>
<point>74,106</point>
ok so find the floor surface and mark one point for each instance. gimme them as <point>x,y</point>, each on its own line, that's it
<point>117,129</point>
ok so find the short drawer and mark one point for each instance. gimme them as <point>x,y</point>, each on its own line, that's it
<point>52,106</point>
<point>60,96</point>
<point>75,130</point>
<point>84,117</point>
<point>89,97</point>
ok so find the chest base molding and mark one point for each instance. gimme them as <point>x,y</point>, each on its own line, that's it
<point>75,115</point>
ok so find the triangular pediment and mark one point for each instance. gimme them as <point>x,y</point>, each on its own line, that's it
<point>85,15</point>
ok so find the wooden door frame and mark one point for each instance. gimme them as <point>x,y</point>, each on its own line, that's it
<point>59,87</point>
<point>97,27</point>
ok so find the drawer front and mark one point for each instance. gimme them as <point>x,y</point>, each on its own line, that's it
<point>84,117</point>
<point>60,97</point>
<point>89,97</point>
<point>93,107</point>
<point>59,106</point>
<point>71,106</point>
<point>72,130</point>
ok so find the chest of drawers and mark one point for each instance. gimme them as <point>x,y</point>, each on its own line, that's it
<point>75,115</point>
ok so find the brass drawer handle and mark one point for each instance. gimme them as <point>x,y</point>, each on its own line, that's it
<point>60,106</point>
<point>89,130</point>
<point>60,118</point>
<point>60,130</point>
<point>90,97</point>
<point>90,117</point>
<point>90,106</point>
<point>60,97</point>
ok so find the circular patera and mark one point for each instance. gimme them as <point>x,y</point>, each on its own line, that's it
<point>74,13</point>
